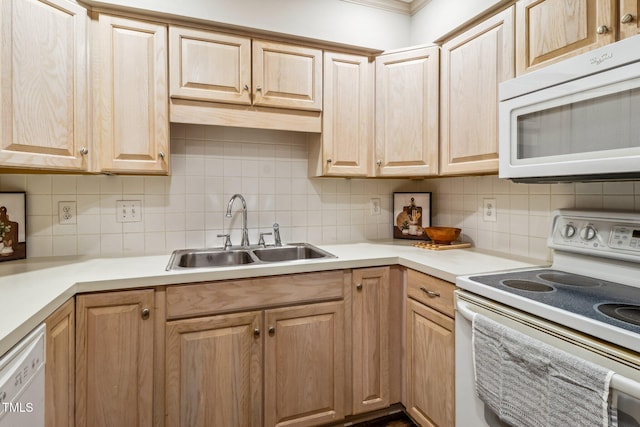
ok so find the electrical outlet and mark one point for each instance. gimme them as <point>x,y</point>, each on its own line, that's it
<point>489,210</point>
<point>67,213</point>
<point>129,210</point>
<point>375,206</point>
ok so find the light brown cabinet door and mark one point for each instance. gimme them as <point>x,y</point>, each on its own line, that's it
<point>548,31</point>
<point>214,371</point>
<point>304,365</point>
<point>370,339</point>
<point>209,66</point>
<point>287,76</point>
<point>114,359</point>
<point>469,103</point>
<point>406,138</point>
<point>629,20</point>
<point>132,123</point>
<point>347,126</point>
<point>430,366</point>
<point>43,85</point>
<point>60,371</point>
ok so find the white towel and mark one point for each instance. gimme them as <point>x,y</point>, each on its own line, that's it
<point>531,384</point>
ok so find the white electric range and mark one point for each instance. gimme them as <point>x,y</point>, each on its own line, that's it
<point>586,303</point>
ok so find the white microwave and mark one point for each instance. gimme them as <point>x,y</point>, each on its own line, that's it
<point>577,120</point>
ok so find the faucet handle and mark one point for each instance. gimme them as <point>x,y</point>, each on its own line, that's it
<point>261,240</point>
<point>227,240</point>
<point>276,234</point>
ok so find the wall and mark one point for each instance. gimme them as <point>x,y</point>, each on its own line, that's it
<point>331,20</point>
<point>209,164</point>
<point>439,17</point>
<point>523,210</point>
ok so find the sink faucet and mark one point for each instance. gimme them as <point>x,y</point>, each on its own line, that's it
<point>245,232</point>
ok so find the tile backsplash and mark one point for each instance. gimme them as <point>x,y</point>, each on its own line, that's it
<point>269,168</point>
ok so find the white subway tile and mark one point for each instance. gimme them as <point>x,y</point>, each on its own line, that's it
<point>65,245</point>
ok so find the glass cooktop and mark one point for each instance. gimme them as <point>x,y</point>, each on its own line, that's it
<point>608,302</point>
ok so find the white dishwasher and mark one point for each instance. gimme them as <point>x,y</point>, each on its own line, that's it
<point>22,382</point>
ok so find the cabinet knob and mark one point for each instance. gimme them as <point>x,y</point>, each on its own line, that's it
<point>84,151</point>
<point>161,155</point>
<point>259,88</point>
<point>379,163</point>
<point>256,332</point>
<point>145,313</point>
<point>272,330</point>
<point>359,286</point>
<point>432,294</point>
<point>329,160</point>
<point>626,18</point>
<point>245,87</point>
<point>602,29</point>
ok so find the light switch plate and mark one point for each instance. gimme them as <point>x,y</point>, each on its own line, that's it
<point>129,210</point>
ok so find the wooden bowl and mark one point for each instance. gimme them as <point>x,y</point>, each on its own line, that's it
<point>442,235</point>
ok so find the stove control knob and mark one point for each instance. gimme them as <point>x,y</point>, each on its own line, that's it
<point>568,231</point>
<point>588,233</point>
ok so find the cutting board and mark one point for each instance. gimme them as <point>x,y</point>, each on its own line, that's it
<point>441,247</point>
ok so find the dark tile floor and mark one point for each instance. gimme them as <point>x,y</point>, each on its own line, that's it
<point>395,420</point>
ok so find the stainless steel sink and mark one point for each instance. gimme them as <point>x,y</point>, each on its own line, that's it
<point>204,258</point>
<point>219,257</point>
<point>291,253</point>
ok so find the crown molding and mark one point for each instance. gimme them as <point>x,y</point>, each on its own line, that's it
<point>406,7</point>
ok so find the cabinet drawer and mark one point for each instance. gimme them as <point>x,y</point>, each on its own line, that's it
<point>435,293</point>
<point>199,299</point>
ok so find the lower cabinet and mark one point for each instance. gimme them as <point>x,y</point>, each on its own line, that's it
<point>220,369</point>
<point>370,339</point>
<point>299,350</point>
<point>304,365</point>
<point>214,371</point>
<point>115,358</point>
<point>430,351</point>
<point>59,373</point>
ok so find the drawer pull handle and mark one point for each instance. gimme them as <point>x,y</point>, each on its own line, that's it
<point>430,293</point>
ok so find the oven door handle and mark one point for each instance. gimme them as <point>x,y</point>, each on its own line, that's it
<point>463,308</point>
<point>618,382</point>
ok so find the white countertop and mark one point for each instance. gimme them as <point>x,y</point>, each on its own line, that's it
<point>32,289</point>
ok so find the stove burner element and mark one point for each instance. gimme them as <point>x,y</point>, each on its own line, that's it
<point>624,312</point>
<point>570,279</point>
<point>527,285</point>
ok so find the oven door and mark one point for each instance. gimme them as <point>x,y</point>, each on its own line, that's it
<point>470,411</point>
<point>583,129</point>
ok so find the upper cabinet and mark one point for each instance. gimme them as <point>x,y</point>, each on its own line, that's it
<point>43,85</point>
<point>346,143</point>
<point>132,122</point>
<point>629,23</point>
<point>209,66</point>
<point>473,64</point>
<point>548,31</point>
<point>228,80</point>
<point>406,142</point>
<point>287,76</point>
